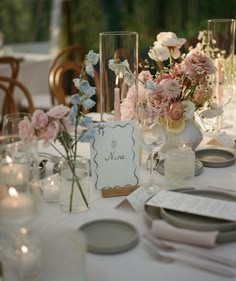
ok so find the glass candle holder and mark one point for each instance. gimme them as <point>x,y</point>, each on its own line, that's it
<point>220,48</point>
<point>179,167</point>
<point>51,188</point>
<point>22,257</point>
<point>119,46</point>
<point>19,186</point>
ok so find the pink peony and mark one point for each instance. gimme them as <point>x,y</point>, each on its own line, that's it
<point>50,132</point>
<point>26,130</point>
<point>58,111</point>
<point>39,119</point>
<point>171,88</point>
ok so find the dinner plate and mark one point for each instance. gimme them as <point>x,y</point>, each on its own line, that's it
<point>198,167</point>
<point>109,236</point>
<point>216,158</point>
<point>227,229</point>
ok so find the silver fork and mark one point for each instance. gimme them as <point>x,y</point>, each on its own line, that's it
<point>165,246</point>
<point>216,269</point>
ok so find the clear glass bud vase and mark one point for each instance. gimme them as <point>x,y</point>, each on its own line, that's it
<point>75,185</point>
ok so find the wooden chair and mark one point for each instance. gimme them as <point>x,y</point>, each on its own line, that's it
<point>64,68</point>
<point>19,89</point>
<point>4,91</point>
<point>13,65</point>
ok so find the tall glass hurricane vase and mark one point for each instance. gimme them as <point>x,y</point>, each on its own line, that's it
<point>220,47</point>
<point>119,46</point>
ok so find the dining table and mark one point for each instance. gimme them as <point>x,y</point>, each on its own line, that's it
<point>62,260</point>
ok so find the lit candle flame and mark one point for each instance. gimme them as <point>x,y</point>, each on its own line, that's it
<point>9,159</point>
<point>24,249</point>
<point>19,176</point>
<point>52,183</point>
<point>12,192</point>
<point>117,80</point>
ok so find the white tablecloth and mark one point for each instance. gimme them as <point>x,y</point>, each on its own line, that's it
<point>136,264</point>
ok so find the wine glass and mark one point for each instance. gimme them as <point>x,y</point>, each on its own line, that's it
<point>11,122</point>
<point>152,136</point>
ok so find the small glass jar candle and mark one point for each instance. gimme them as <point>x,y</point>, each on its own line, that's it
<point>179,167</point>
<point>51,188</point>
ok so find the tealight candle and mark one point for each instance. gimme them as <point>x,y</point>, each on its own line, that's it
<point>29,261</point>
<point>14,174</point>
<point>17,205</point>
<point>51,189</point>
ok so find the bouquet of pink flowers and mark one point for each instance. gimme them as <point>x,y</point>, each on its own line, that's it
<point>179,86</point>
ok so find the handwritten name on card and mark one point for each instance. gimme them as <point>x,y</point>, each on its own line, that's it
<point>114,155</point>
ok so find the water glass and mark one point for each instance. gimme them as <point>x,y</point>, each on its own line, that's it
<point>122,46</point>
<point>11,122</point>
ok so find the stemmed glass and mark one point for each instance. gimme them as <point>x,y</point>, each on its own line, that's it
<point>152,136</point>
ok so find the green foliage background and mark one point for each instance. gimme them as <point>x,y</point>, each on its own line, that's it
<point>82,20</point>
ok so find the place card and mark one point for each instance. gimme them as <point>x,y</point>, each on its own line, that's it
<point>135,200</point>
<point>195,204</point>
<point>114,158</point>
<point>222,139</point>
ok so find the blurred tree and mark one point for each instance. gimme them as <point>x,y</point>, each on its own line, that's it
<point>83,20</point>
<point>24,20</point>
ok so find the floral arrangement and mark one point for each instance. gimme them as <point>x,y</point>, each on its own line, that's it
<point>174,83</point>
<point>68,125</point>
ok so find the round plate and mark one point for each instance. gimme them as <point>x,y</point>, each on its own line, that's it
<point>227,229</point>
<point>216,158</point>
<point>198,167</point>
<point>109,236</point>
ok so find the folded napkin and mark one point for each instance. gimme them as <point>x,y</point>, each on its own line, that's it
<point>163,230</point>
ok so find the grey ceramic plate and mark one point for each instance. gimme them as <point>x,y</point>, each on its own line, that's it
<point>216,158</point>
<point>227,229</point>
<point>109,236</point>
<point>161,167</point>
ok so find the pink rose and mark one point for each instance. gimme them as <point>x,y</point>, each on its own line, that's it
<point>157,98</point>
<point>26,130</point>
<point>50,132</point>
<point>197,64</point>
<point>176,111</point>
<point>202,95</point>
<point>145,75</point>
<point>39,119</point>
<point>58,111</point>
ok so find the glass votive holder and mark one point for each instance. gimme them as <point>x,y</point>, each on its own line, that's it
<point>179,167</point>
<point>51,188</point>
<point>22,257</point>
